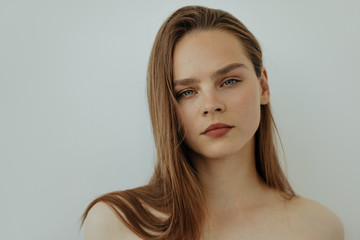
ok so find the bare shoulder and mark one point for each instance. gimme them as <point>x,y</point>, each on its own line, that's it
<point>103,223</point>
<point>314,219</point>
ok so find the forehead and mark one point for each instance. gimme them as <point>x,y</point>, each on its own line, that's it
<point>200,53</point>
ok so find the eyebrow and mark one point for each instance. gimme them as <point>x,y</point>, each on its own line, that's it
<point>222,71</point>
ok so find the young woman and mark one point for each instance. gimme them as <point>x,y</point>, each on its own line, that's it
<point>217,174</point>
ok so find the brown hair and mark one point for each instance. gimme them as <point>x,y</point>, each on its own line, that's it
<point>174,188</point>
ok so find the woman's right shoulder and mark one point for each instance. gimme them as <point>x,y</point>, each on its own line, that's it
<point>102,222</point>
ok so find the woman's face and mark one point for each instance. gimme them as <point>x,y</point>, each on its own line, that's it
<point>215,83</point>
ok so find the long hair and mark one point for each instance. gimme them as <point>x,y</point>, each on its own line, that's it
<point>174,188</point>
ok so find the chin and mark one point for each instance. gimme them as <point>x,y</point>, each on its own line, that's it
<point>219,151</point>
<point>219,154</point>
<point>223,149</point>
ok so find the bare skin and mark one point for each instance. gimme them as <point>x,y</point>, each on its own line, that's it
<point>240,205</point>
<point>297,219</point>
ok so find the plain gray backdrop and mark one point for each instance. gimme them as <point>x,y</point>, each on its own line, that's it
<point>74,122</point>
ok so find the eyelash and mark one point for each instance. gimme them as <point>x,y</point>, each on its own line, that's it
<point>234,81</point>
<point>181,94</point>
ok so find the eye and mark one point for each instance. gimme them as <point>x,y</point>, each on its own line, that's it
<point>230,82</point>
<point>185,93</point>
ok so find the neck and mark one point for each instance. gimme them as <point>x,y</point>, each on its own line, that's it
<point>231,183</point>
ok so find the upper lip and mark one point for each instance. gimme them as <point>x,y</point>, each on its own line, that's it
<point>216,126</point>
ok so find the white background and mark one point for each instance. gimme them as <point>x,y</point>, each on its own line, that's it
<point>73,113</point>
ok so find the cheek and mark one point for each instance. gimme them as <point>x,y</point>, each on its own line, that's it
<point>254,111</point>
<point>187,118</point>
<point>248,107</point>
<point>190,123</point>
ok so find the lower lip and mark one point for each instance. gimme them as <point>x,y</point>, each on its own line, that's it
<point>217,132</point>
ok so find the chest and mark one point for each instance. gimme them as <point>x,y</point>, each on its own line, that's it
<point>276,224</point>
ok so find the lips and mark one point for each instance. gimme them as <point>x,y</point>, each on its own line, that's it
<point>216,126</point>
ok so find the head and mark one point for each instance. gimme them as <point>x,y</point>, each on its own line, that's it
<point>165,108</point>
<point>215,82</point>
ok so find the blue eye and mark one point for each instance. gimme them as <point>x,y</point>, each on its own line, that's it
<point>230,82</point>
<point>185,93</point>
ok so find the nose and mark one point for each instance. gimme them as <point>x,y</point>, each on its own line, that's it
<point>212,104</point>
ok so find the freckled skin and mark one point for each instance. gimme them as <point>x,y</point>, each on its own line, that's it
<point>198,55</point>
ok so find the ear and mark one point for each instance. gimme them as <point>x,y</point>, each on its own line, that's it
<point>265,90</point>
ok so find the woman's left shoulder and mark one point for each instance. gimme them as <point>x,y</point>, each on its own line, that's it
<point>314,218</point>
